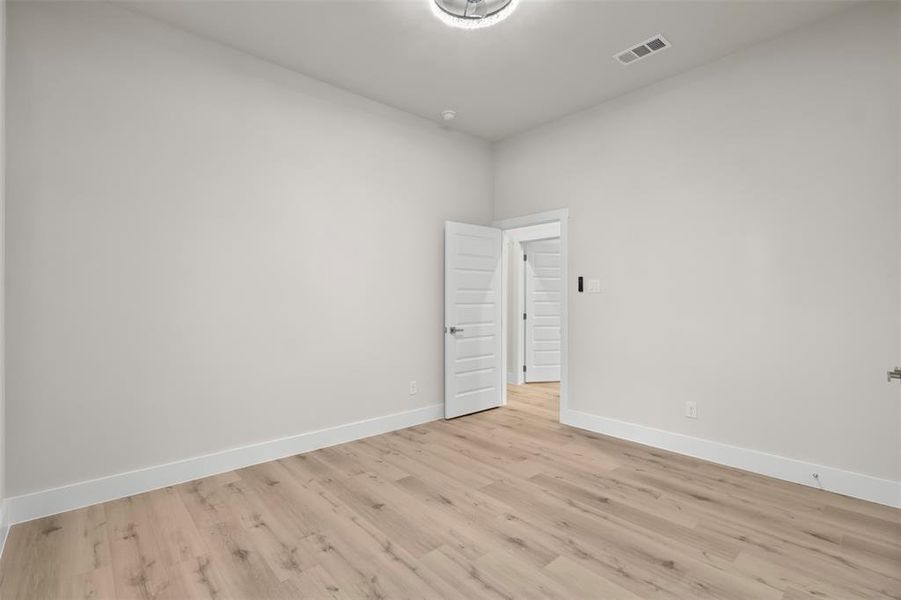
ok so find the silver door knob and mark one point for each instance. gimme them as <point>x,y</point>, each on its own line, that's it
<point>895,374</point>
<point>454,330</point>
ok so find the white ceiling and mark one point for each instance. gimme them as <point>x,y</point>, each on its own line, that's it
<point>548,59</point>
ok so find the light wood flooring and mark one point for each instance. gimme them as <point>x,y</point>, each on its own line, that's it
<point>502,504</point>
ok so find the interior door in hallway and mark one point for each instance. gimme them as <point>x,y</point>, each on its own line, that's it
<point>542,310</point>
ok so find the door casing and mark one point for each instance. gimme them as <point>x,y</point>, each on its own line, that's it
<point>561,216</point>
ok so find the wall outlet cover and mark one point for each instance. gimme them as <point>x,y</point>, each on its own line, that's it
<point>691,410</point>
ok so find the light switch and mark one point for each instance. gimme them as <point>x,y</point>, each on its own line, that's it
<point>594,286</point>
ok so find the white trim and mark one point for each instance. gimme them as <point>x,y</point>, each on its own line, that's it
<point>857,485</point>
<point>512,245</point>
<point>77,495</point>
<point>562,216</point>
<point>549,216</point>
<point>532,233</point>
<point>506,248</point>
<point>4,526</point>
<point>519,350</point>
<point>514,240</point>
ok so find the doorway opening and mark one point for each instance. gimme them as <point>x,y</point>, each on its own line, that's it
<point>535,295</point>
<point>477,315</point>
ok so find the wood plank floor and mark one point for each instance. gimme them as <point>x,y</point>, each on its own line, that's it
<point>501,504</point>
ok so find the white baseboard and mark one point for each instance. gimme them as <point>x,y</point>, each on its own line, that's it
<point>4,525</point>
<point>77,495</point>
<point>857,485</point>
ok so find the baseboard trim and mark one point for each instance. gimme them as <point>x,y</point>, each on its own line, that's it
<point>856,485</point>
<point>27,507</point>
<point>4,526</point>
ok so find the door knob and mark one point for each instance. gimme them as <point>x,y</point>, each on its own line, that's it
<point>894,374</point>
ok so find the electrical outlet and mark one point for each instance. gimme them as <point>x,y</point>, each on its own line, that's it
<point>413,388</point>
<point>691,410</point>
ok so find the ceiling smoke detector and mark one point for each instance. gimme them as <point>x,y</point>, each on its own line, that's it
<point>448,115</point>
<point>639,51</point>
<point>472,14</point>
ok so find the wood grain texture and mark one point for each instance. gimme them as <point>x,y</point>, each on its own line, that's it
<point>504,504</point>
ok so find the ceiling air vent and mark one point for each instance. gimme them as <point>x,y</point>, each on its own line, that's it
<point>646,48</point>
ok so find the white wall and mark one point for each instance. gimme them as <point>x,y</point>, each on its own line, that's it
<point>898,173</point>
<point>743,220</point>
<point>207,251</point>
<point>2,268</point>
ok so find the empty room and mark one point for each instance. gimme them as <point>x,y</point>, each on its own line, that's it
<point>419,299</point>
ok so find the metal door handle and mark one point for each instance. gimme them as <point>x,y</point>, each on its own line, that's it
<point>895,374</point>
<point>454,330</point>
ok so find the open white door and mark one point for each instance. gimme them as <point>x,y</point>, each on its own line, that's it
<point>542,316</point>
<point>473,308</point>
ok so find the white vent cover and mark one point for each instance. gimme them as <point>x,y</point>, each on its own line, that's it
<point>639,51</point>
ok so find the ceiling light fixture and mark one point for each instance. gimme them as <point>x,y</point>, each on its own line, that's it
<point>472,14</point>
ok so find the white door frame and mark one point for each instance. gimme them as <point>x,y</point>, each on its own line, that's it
<point>562,216</point>
<point>515,238</point>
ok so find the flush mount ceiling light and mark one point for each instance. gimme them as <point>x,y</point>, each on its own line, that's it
<point>472,14</point>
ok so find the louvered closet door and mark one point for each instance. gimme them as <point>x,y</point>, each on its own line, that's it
<point>473,373</point>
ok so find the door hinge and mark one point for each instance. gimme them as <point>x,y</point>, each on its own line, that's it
<point>523,316</point>
<point>525,257</point>
<point>523,368</point>
<point>894,374</point>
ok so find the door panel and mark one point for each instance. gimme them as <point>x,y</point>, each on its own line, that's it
<point>543,310</point>
<point>473,373</point>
